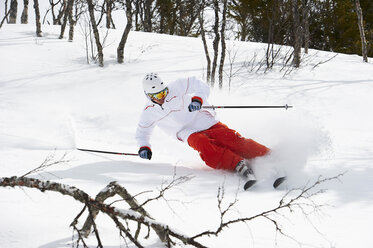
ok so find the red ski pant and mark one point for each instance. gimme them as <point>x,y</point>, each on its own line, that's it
<point>222,148</point>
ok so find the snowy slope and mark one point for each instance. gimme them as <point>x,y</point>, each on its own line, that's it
<point>51,101</point>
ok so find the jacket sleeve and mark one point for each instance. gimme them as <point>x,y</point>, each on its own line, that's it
<point>199,90</point>
<point>145,128</point>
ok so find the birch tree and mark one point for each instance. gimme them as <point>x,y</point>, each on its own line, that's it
<point>306,24</point>
<point>66,17</point>
<point>359,14</point>
<point>223,46</point>
<point>6,14</point>
<point>215,43</point>
<point>96,33</point>
<point>24,17</point>
<point>13,11</point>
<point>204,41</point>
<point>37,18</point>
<point>109,10</point>
<point>60,10</point>
<point>122,43</point>
<point>297,33</point>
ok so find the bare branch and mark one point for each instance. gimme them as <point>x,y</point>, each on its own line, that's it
<point>325,61</point>
<point>48,162</point>
<point>301,199</point>
<point>174,182</point>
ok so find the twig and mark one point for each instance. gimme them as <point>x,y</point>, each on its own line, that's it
<point>325,61</point>
<point>48,162</point>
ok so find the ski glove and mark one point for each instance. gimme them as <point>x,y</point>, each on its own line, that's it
<point>145,152</point>
<point>195,105</point>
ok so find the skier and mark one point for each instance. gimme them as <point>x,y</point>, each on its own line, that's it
<point>177,109</point>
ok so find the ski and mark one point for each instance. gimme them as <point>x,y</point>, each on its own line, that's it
<point>249,184</point>
<point>278,182</point>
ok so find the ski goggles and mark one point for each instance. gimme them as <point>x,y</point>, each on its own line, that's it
<point>159,95</point>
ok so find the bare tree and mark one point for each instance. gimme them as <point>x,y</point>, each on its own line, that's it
<point>359,14</point>
<point>72,21</point>
<point>109,9</point>
<point>86,31</point>
<point>67,16</point>
<point>239,11</point>
<point>215,43</point>
<point>13,11</point>
<point>223,46</point>
<point>6,14</point>
<point>233,70</point>
<point>148,11</point>
<point>77,9</point>
<point>61,4</point>
<point>96,33</point>
<point>137,14</point>
<point>24,17</point>
<point>6,11</point>
<point>306,24</point>
<point>122,43</point>
<point>37,18</point>
<point>203,36</point>
<point>297,34</point>
<point>270,52</point>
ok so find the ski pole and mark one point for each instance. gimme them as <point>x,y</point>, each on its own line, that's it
<point>116,153</point>
<point>240,106</point>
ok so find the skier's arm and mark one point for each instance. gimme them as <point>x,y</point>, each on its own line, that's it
<point>199,92</point>
<point>144,130</point>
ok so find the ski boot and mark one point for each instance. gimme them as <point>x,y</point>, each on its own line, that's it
<point>244,169</point>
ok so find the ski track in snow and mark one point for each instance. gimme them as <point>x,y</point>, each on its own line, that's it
<point>52,102</point>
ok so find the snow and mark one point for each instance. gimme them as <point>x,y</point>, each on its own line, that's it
<point>51,102</point>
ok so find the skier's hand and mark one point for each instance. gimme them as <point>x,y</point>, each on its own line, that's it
<point>145,152</point>
<point>194,105</point>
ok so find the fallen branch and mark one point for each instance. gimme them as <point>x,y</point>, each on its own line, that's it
<point>295,199</point>
<point>163,231</point>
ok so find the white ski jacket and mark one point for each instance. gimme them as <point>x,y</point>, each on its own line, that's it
<point>173,116</point>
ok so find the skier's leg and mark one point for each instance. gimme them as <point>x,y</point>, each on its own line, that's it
<point>214,155</point>
<point>226,137</point>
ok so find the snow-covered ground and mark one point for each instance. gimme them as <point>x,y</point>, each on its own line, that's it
<point>51,102</point>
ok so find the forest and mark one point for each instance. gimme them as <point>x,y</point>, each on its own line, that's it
<point>330,25</point>
<point>341,26</point>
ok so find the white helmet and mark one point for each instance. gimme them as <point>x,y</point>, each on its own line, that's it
<point>152,83</point>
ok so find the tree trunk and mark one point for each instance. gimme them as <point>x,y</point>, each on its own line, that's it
<point>122,43</point>
<point>71,22</point>
<point>13,11</point>
<point>223,46</point>
<point>7,12</point>
<point>306,24</point>
<point>24,17</point>
<point>68,12</point>
<point>61,11</point>
<point>215,42</point>
<point>109,8</point>
<point>37,18</point>
<point>205,47</point>
<point>96,33</point>
<point>137,14</point>
<point>148,26</point>
<point>359,13</point>
<point>297,34</point>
